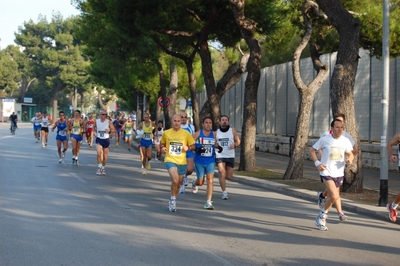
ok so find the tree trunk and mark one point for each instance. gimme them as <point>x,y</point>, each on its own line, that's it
<point>209,80</point>
<point>230,78</point>
<point>307,95</point>
<point>193,93</point>
<point>163,94</point>
<point>248,137</point>
<point>55,101</point>
<point>173,92</point>
<point>342,82</point>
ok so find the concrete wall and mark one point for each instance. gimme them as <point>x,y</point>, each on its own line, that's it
<point>281,145</point>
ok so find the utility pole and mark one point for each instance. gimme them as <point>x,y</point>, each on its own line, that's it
<point>384,187</point>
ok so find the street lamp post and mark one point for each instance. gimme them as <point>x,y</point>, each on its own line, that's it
<point>384,188</point>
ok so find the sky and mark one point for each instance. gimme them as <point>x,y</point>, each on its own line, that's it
<point>13,13</point>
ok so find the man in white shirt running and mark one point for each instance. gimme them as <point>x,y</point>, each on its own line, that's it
<point>336,153</point>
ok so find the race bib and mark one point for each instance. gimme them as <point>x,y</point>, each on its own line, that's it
<point>147,136</point>
<point>90,125</point>
<point>223,142</point>
<point>208,150</point>
<point>76,130</point>
<point>44,123</point>
<point>175,148</point>
<point>62,133</point>
<point>101,134</point>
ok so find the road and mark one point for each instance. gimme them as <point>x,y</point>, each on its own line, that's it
<point>60,214</point>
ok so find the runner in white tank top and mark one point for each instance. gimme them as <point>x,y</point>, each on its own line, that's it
<point>227,141</point>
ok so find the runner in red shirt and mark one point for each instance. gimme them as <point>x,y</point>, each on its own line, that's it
<point>89,131</point>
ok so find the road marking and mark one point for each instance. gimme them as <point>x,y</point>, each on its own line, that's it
<point>120,204</point>
<point>78,178</point>
<point>212,255</point>
<point>6,137</point>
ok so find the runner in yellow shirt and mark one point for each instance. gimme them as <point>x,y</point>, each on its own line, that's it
<point>175,142</point>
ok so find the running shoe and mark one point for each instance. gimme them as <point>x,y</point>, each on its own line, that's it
<point>76,162</point>
<point>116,145</point>
<point>37,141</point>
<point>129,149</point>
<point>392,212</point>
<point>98,171</point>
<point>185,180</point>
<point>142,166</point>
<point>182,190</point>
<point>73,160</point>
<point>342,217</point>
<point>59,161</point>
<point>208,205</point>
<point>45,144</point>
<point>148,166</point>
<point>320,221</point>
<point>321,200</point>
<point>103,171</point>
<point>42,145</point>
<point>195,189</point>
<point>224,195</point>
<point>144,172</point>
<point>63,154</point>
<point>172,205</point>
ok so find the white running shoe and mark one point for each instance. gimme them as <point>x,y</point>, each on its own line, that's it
<point>224,195</point>
<point>172,205</point>
<point>98,171</point>
<point>63,154</point>
<point>320,221</point>
<point>185,180</point>
<point>208,205</point>
<point>195,189</point>
<point>144,172</point>
<point>182,190</point>
<point>59,161</point>
<point>103,171</point>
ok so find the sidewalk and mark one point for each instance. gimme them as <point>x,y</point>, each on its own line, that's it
<point>278,163</point>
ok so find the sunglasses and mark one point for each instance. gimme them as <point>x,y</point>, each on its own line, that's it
<point>183,116</point>
<point>103,114</point>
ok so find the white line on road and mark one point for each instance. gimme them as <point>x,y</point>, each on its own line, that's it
<point>120,204</point>
<point>79,179</point>
<point>212,255</point>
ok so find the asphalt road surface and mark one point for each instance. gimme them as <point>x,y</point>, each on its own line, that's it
<point>63,214</point>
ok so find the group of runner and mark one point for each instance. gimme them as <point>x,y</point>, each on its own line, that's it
<point>185,149</point>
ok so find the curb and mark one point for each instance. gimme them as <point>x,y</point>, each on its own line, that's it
<point>373,211</point>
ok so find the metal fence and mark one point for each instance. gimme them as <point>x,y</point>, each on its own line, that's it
<point>278,99</point>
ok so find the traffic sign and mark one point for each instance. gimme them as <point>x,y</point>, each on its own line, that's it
<point>160,101</point>
<point>190,103</point>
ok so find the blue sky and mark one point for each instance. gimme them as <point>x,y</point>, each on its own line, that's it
<point>13,13</point>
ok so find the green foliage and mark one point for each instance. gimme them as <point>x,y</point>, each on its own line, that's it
<point>55,57</point>
<point>9,75</point>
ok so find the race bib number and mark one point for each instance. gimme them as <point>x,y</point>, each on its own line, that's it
<point>44,123</point>
<point>175,148</point>
<point>76,130</point>
<point>128,131</point>
<point>62,133</point>
<point>224,142</point>
<point>147,136</point>
<point>90,125</point>
<point>208,151</point>
<point>101,134</point>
